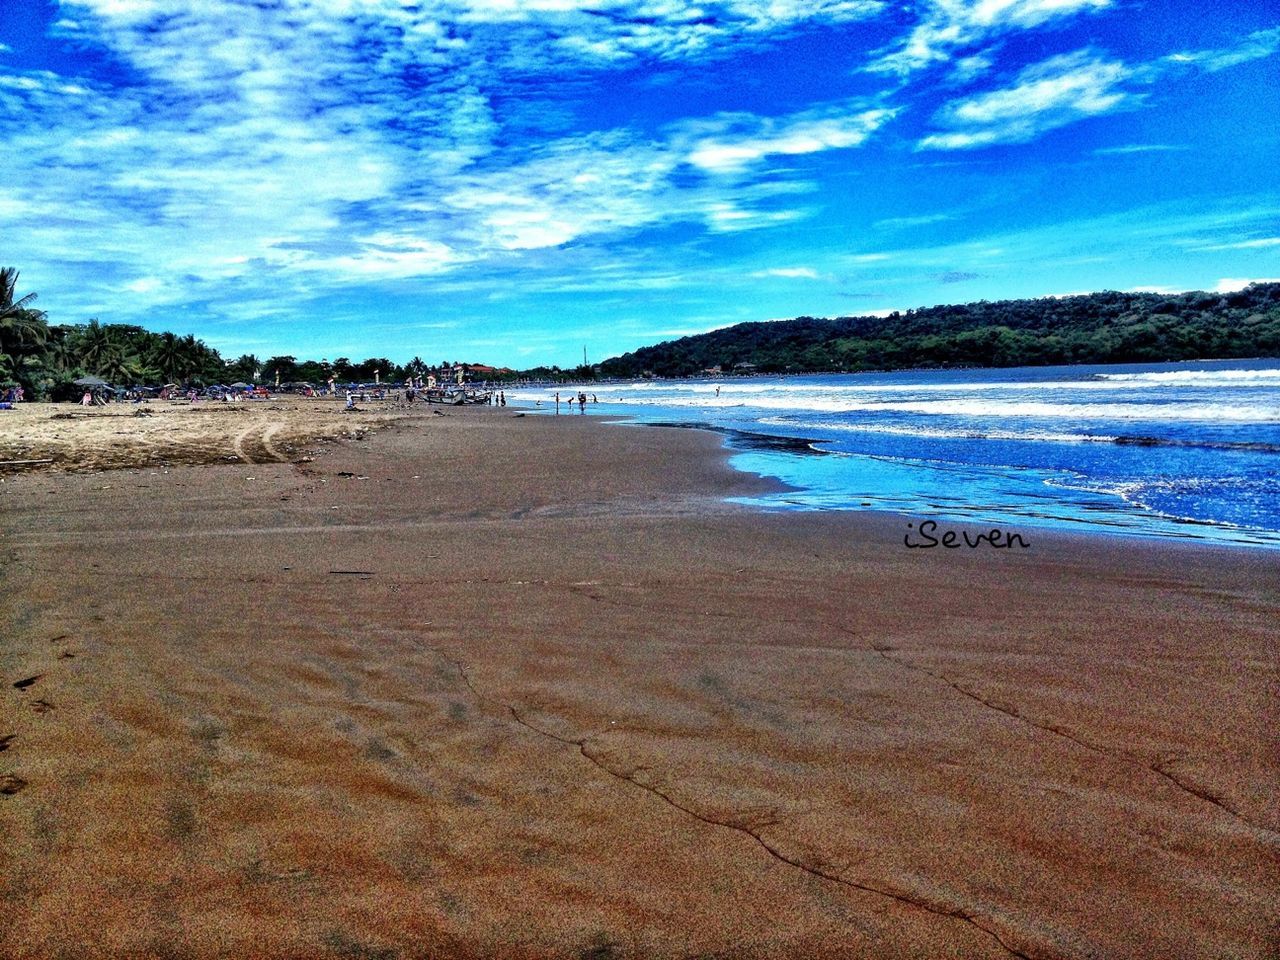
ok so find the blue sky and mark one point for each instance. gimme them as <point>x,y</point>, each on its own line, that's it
<point>512,180</point>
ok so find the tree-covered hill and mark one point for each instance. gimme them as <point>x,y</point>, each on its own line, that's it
<point>1107,327</point>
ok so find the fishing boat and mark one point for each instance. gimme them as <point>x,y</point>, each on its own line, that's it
<point>457,397</point>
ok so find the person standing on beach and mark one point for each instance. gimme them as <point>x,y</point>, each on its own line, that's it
<point>557,403</point>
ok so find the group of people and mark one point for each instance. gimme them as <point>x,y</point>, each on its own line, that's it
<point>580,400</point>
<point>12,395</point>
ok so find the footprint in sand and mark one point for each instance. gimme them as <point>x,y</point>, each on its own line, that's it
<point>42,706</point>
<point>5,740</point>
<point>23,684</point>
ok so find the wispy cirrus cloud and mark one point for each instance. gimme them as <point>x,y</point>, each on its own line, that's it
<point>949,25</point>
<point>250,158</point>
<point>1257,243</point>
<point>1071,87</point>
<point>1256,46</point>
<point>1133,148</point>
<point>1042,97</point>
<point>314,143</point>
<point>905,223</point>
<point>744,140</point>
<point>789,273</point>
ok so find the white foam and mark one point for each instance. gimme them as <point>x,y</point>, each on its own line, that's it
<point>1206,378</point>
<point>940,433</point>
<point>972,407</point>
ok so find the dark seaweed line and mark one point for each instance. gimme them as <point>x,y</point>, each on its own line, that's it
<point>581,745</point>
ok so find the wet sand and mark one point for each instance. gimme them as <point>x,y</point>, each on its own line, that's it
<point>480,685</point>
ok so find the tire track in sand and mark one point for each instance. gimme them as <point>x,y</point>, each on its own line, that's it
<point>264,440</point>
<point>237,445</point>
<point>267,434</point>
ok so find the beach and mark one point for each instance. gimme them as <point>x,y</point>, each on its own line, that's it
<point>404,683</point>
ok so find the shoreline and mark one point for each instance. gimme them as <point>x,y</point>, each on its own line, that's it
<point>296,428</point>
<point>737,440</point>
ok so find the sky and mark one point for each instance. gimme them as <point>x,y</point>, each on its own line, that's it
<point>517,181</point>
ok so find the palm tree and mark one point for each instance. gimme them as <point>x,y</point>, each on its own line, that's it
<point>95,344</point>
<point>245,368</point>
<point>60,354</point>
<point>20,324</point>
<point>169,356</point>
<point>8,286</point>
<point>122,368</point>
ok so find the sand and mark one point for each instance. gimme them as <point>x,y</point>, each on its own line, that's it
<point>166,433</point>
<point>481,685</point>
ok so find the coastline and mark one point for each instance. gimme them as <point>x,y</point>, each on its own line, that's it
<point>489,685</point>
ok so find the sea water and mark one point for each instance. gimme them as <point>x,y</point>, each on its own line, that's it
<point>1187,450</point>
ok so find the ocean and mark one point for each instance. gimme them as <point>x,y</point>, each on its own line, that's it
<point>1184,450</point>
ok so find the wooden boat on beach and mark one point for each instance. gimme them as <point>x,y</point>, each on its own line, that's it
<point>457,397</point>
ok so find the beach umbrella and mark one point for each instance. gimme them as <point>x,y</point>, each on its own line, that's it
<point>239,386</point>
<point>90,382</point>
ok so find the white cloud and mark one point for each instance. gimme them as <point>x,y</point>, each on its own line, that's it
<point>903,223</point>
<point>1260,243</point>
<point>966,69</point>
<point>789,273</point>
<point>728,218</point>
<point>1139,148</point>
<point>1256,46</point>
<point>951,24</point>
<point>798,134</point>
<point>1059,91</point>
<point>281,150</point>
<point>1236,284</point>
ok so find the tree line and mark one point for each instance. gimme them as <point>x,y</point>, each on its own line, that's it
<point>47,358</point>
<point>1107,327</point>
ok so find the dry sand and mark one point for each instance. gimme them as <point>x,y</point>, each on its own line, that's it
<point>482,685</point>
<point>165,433</point>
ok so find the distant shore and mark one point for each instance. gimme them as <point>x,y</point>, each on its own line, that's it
<point>483,685</point>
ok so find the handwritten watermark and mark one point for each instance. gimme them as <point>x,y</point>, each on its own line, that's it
<point>927,535</point>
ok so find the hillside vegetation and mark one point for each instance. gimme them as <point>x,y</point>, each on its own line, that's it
<point>1104,327</point>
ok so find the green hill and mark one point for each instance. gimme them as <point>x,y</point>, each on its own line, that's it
<point>1106,327</point>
